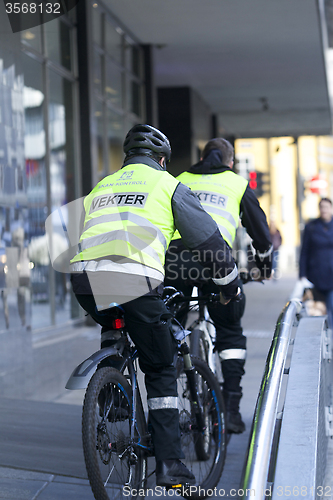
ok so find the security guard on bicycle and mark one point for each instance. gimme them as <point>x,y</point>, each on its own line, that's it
<point>226,196</point>
<point>129,220</point>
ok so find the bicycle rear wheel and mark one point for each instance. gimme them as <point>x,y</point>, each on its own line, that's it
<point>116,466</point>
<point>204,451</point>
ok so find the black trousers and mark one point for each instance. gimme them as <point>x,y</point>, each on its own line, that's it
<point>147,320</point>
<point>182,271</point>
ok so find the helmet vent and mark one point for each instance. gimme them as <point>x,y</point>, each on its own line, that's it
<point>147,138</point>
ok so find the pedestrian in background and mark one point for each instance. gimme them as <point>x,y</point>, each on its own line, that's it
<point>316,259</point>
<point>276,239</point>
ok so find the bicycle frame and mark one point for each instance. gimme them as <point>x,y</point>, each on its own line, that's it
<point>116,453</point>
<point>204,323</point>
<point>122,350</point>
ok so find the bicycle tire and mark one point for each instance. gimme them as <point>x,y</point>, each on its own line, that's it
<point>198,347</point>
<point>106,425</point>
<point>204,452</point>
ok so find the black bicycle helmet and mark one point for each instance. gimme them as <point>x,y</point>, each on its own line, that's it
<point>145,139</point>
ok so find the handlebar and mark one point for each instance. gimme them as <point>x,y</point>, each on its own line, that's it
<point>174,296</point>
<point>211,297</point>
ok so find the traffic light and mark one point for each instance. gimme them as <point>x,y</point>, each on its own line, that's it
<point>259,182</point>
<point>253,183</point>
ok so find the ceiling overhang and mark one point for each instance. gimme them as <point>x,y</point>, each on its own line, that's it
<point>259,65</point>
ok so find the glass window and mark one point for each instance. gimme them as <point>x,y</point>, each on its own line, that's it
<point>136,61</point>
<point>119,103</point>
<point>98,64</point>
<point>113,42</point>
<point>115,125</point>
<point>99,121</point>
<point>128,54</point>
<point>14,230</point>
<point>33,38</point>
<point>133,58</point>
<point>113,84</point>
<point>35,165</point>
<point>134,97</point>
<point>97,25</point>
<point>116,135</point>
<point>62,179</point>
<point>58,42</point>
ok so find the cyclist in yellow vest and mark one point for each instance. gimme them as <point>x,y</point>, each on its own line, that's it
<point>129,220</point>
<point>226,196</point>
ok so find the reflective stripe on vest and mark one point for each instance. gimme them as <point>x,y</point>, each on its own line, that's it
<point>110,266</point>
<point>121,236</point>
<point>220,195</point>
<point>130,217</point>
<point>128,214</point>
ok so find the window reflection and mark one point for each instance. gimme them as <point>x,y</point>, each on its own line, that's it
<point>58,42</point>
<point>34,151</point>
<point>118,85</point>
<point>14,227</point>
<point>33,38</point>
<point>115,140</point>
<point>113,42</point>
<point>97,77</point>
<point>134,94</point>
<point>99,121</point>
<point>61,136</point>
<point>113,84</point>
<point>133,58</point>
<point>97,25</point>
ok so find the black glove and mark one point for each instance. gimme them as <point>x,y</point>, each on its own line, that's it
<point>264,265</point>
<point>235,298</point>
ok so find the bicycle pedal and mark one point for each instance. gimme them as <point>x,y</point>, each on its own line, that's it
<point>174,486</point>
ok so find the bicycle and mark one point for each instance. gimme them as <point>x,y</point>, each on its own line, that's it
<point>202,329</point>
<point>115,433</point>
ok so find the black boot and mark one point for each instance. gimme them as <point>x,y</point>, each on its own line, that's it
<point>172,472</point>
<point>235,423</point>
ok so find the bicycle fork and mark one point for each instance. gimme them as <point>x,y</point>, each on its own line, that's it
<point>192,385</point>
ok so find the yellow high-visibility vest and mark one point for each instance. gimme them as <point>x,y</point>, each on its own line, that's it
<point>128,219</point>
<point>220,195</point>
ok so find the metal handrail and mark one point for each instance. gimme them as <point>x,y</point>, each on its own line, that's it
<point>256,466</point>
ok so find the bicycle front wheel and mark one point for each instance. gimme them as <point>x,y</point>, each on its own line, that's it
<point>116,465</point>
<point>198,345</point>
<point>204,451</point>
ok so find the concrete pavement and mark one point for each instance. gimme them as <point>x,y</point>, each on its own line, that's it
<point>40,440</point>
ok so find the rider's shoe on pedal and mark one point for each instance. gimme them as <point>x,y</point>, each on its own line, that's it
<point>173,472</point>
<point>235,424</point>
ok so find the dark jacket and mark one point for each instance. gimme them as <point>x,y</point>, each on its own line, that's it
<point>252,216</point>
<point>199,232</point>
<point>316,259</point>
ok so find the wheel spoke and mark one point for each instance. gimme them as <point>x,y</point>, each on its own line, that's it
<point>109,476</point>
